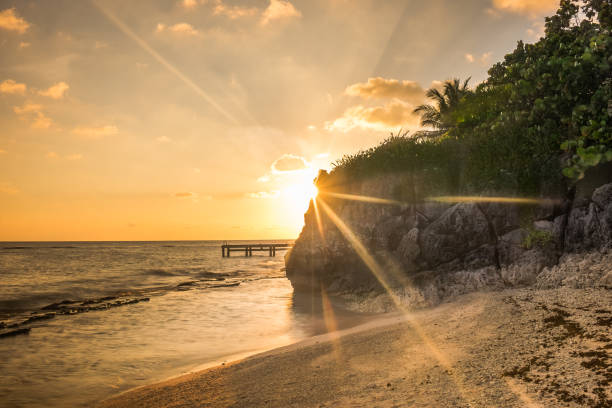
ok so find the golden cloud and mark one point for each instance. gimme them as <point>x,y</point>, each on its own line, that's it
<point>483,59</point>
<point>56,91</point>
<point>233,12</point>
<point>387,88</point>
<point>184,29</point>
<point>532,8</point>
<point>10,86</point>
<point>395,114</point>
<point>289,162</point>
<point>186,194</point>
<point>76,156</point>
<point>27,107</point>
<point>9,20</point>
<point>96,132</point>
<point>7,188</point>
<point>264,194</point>
<point>278,10</point>
<point>41,121</point>
<point>188,4</point>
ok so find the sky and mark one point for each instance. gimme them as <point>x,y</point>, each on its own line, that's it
<point>208,119</point>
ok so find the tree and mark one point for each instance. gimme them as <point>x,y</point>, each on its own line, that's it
<point>439,115</point>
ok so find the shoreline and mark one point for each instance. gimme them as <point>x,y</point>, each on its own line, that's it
<point>505,349</point>
<point>371,321</point>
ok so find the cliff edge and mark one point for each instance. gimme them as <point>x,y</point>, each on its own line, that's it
<point>429,251</point>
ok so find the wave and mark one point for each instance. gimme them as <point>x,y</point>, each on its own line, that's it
<point>158,272</point>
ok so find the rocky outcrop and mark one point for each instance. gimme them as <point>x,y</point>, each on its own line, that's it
<point>426,252</point>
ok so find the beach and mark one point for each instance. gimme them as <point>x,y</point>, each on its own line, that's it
<point>513,348</point>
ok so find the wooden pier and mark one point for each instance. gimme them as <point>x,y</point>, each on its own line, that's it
<point>227,249</point>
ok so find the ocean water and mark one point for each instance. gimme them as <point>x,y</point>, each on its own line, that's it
<point>105,317</point>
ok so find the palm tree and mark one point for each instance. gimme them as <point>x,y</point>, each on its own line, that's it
<point>438,116</point>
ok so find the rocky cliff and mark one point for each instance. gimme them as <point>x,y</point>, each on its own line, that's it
<point>428,251</point>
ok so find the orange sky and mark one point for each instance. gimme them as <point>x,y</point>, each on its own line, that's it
<point>208,119</point>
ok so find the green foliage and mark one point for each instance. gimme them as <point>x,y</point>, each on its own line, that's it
<point>432,164</point>
<point>537,239</point>
<point>558,90</point>
<point>544,112</point>
<point>439,115</point>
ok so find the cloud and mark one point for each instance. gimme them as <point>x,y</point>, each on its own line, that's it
<point>55,91</point>
<point>41,121</point>
<point>537,30</point>
<point>27,107</point>
<point>392,115</point>
<point>186,194</point>
<point>483,59</point>
<point>24,44</point>
<point>289,162</point>
<point>96,132</point>
<point>72,157</point>
<point>233,12</point>
<point>182,29</point>
<point>531,8</point>
<point>163,139</point>
<point>10,86</point>
<point>382,88</point>
<point>278,10</point>
<point>2,151</point>
<point>7,188</point>
<point>195,197</point>
<point>189,4</point>
<point>264,194</point>
<point>10,20</point>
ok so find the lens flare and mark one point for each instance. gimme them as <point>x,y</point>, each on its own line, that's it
<point>503,200</point>
<point>380,275</point>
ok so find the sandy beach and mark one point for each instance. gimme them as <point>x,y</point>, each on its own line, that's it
<point>515,348</point>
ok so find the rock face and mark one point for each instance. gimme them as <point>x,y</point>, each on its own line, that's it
<point>426,252</point>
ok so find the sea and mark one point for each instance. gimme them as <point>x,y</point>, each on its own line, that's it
<point>100,318</point>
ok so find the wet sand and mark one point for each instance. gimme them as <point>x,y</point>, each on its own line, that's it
<point>516,348</point>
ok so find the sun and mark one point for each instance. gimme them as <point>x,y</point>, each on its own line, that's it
<point>297,196</point>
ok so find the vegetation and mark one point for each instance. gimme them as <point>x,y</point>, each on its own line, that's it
<point>539,121</point>
<point>537,239</point>
<point>440,115</point>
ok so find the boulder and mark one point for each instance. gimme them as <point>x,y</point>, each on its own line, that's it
<point>502,216</point>
<point>575,239</point>
<point>543,225</point>
<point>525,269</point>
<point>459,229</point>
<point>408,249</point>
<point>388,234</point>
<point>510,246</point>
<point>481,257</point>
<point>558,231</point>
<point>602,196</point>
